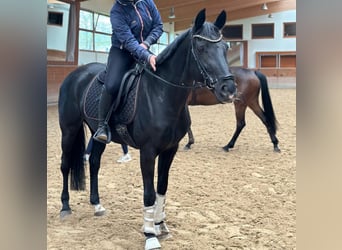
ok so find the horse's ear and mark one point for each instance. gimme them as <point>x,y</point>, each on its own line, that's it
<point>221,20</point>
<point>199,20</point>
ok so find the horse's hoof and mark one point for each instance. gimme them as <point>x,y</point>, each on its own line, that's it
<point>225,148</point>
<point>162,231</point>
<point>187,147</point>
<point>64,213</point>
<point>99,210</point>
<point>152,243</point>
<point>276,149</point>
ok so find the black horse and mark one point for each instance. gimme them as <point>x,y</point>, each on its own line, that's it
<point>196,57</point>
<point>249,84</point>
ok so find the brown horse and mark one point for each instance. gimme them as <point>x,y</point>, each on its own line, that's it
<point>249,83</point>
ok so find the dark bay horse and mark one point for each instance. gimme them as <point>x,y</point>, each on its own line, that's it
<point>161,120</point>
<point>249,83</point>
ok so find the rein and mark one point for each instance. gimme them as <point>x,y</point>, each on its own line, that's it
<point>181,85</point>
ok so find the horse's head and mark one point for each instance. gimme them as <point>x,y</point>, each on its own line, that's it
<point>210,53</point>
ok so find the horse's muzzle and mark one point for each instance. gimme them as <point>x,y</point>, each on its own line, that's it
<point>225,90</point>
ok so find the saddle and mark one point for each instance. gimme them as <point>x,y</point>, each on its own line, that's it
<point>124,105</point>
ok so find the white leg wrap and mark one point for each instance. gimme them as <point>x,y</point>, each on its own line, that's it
<point>160,208</point>
<point>149,220</point>
<point>152,243</point>
<point>99,210</point>
<point>159,216</point>
<point>161,229</point>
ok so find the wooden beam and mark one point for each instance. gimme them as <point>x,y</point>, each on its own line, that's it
<point>167,4</point>
<point>187,11</point>
<point>274,7</point>
<point>200,4</point>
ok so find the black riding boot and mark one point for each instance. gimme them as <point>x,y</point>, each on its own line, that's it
<point>103,131</point>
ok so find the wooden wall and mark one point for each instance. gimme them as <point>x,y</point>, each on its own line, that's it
<point>279,72</point>
<point>55,77</point>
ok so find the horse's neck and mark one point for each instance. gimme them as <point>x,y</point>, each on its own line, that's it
<point>176,68</point>
<point>178,73</point>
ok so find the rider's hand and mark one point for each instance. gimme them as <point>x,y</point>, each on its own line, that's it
<point>144,46</point>
<point>152,62</point>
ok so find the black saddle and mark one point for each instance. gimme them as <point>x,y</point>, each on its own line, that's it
<point>124,105</point>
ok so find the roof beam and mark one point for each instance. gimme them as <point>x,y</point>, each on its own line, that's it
<point>165,5</point>
<point>274,7</point>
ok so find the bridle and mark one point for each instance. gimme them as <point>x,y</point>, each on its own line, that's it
<point>208,82</point>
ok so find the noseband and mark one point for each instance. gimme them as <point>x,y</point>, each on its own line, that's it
<point>208,80</point>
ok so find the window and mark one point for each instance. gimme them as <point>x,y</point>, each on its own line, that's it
<point>289,30</point>
<point>55,18</point>
<point>235,54</point>
<point>86,41</point>
<point>265,30</point>
<point>57,30</point>
<point>161,44</point>
<point>95,32</point>
<point>232,32</point>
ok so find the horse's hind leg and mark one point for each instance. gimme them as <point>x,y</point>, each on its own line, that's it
<point>267,115</point>
<point>259,113</point>
<point>72,162</point>
<point>65,169</point>
<point>240,110</point>
<point>190,135</point>
<point>274,139</point>
<point>94,163</point>
<point>191,139</point>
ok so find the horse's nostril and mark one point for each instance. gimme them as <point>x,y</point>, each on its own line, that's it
<point>227,88</point>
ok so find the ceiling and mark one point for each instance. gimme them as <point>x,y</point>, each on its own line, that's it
<point>186,10</point>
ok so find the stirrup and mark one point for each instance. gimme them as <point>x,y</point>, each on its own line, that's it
<point>101,131</point>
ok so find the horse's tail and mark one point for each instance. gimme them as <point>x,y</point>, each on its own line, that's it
<point>267,103</point>
<point>76,161</point>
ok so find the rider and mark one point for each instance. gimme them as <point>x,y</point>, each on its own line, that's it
<point>136,25</point>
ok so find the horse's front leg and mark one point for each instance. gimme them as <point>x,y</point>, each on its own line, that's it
<point>147,161</point>
<point>240,110</point>
<point>164,164</point>
<point>94,162</point>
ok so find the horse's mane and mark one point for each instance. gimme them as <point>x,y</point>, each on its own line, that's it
<point>208,30</point>
<point>172,47</point>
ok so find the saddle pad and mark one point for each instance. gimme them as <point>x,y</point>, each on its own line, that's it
<point>127,108</point>
<point>125,111</point>
<point>92,99</point>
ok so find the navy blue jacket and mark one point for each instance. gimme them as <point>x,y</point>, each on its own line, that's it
<point>135,22</point>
